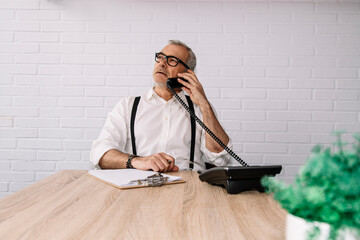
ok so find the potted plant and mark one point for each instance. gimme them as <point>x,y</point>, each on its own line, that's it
<point>324,195</point>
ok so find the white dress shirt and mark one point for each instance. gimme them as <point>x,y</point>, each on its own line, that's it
<point>160,126</point>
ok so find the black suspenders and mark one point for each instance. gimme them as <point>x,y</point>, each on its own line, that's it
<point>132,121</point>
<point>193,129</point>
<point>193,133</point>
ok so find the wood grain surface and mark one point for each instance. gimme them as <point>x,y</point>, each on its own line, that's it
<point>72,205</point>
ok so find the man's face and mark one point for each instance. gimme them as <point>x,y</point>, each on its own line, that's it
<point>162,71</point>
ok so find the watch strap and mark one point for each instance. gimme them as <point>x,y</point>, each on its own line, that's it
<point>128,162</point>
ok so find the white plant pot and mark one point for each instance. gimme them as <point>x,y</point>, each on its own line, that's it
<point>298,229</point>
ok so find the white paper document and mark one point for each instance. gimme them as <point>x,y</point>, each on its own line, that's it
<point>127,177</point>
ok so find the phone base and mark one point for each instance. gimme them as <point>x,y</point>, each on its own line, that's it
<point>237,179</point>
<point>238,186</point>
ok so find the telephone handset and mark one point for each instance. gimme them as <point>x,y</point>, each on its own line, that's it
<point>235,179</point>
<point>173,82</point>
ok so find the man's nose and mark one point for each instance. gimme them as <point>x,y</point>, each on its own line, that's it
<point>163,62</point>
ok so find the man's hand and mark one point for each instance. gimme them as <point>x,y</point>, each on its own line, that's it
<point>158,162</point>
<point>194,88</point>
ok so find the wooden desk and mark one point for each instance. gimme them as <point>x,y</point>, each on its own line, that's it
<point>72,205</point>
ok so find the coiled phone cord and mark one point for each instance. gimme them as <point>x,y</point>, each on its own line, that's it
<point>237,158</point>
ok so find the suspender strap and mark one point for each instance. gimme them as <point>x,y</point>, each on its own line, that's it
<point>193,129</point>
<point>132,121</point>
<point>193,133</point>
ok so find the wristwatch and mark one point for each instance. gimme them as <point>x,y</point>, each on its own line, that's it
<point>128,162</point>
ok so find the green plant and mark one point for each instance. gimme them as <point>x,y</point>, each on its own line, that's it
<point>326,189</point>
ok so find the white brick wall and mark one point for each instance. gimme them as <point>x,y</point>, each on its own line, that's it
<point>282,75</point>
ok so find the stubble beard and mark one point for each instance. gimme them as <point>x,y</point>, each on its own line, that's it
<point>159,83</point>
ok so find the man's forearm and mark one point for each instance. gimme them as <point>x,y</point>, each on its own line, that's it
<point>158,162</point>
<point>213,124</point>
<point>113,159</point>
<point>196,92</point>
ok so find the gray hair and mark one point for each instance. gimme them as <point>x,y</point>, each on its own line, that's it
<point>191,62</point>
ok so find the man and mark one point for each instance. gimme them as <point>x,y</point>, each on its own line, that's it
<point>162,127</point>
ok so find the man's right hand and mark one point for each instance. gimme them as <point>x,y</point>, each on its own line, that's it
<point>158,162</point>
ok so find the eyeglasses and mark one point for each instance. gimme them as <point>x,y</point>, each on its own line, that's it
<point>171,60</point>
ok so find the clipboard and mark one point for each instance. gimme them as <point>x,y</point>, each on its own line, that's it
<point>133,178</point>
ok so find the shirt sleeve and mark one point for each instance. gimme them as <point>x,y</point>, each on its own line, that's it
<point>114,133</point>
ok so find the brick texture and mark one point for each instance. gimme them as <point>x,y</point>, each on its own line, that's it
<point>282,75</point>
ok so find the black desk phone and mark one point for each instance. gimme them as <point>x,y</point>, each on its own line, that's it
<point>235,179</point>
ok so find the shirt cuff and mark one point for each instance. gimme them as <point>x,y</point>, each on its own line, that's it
<point>219,159</point>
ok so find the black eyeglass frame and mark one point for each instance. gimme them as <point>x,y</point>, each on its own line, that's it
<point>167,60</point>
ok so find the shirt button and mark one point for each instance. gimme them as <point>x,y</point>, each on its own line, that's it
<point>166,118</point>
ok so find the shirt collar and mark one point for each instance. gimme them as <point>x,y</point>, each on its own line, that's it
<point>152,94</point>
